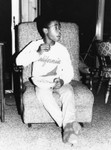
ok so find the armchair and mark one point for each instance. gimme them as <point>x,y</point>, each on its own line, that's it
<point>30,109</point>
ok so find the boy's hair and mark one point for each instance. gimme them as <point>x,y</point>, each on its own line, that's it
<point>43,22</point>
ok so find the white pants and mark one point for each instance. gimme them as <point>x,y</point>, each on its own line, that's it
<point>66,113</point>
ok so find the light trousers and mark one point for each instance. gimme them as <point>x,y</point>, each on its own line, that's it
<point>64,114</point>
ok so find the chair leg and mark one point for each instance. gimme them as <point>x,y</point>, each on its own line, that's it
<point>82,125</point>
<point>100,84</point>
<point>3,110</point>
<point>108,91</point>
<point>91,84</point>
<point>29,125</point>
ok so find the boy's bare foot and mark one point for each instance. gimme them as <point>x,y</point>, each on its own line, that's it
<point>70,132</point>
<point>76,127</point>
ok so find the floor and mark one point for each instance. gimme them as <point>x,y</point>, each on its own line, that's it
<point>96,136</point>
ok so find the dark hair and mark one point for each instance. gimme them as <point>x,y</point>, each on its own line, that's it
<point>43,22</point>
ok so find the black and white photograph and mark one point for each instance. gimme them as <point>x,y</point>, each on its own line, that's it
<point>55,75</point>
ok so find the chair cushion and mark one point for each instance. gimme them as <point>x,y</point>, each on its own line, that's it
<point>34,110</point>
<point>83,96</point>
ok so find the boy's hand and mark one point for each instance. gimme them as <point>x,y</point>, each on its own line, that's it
<point>58,83</point>
<point>43,48</point>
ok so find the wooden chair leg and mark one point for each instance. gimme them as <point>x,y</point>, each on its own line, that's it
<point>108,91</point>
<point>3,110</point>
<point>100,84</point>
<point>81,123</point>
<point>91,84</point>
<point>2,90</point>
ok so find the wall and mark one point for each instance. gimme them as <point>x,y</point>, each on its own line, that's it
<point>22,11</point>
<point>5,34</point>
<point>28,10</point>
<point>5,25</point>
<point>107,18</point>
<point>5,21</point>
<point>82,12</point>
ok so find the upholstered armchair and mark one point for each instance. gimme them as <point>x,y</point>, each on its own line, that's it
<point>30,108</point>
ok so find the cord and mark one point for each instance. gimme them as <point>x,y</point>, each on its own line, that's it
<point>89,49</point>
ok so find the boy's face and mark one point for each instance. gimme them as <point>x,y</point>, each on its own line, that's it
<point>53,31</point>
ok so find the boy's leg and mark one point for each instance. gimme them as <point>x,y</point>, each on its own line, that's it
<point>68,103</point>
<point>70,126</point>
<point>46,97</point>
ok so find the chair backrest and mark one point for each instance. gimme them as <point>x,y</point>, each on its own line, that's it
<point>104,48</point>
<point>27,32</point>
<point>104,56</point>
<point>104,53</point>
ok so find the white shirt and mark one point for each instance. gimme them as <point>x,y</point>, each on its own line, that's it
<point>49,65</point>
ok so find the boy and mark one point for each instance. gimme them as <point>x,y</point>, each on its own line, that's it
<point>52,73</point>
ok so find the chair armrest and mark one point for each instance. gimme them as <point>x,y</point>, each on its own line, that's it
<point>93,71</point>
<point>89,76</point>
<point>19,87</point>
<point>19,72</point>
<point>18,69</point>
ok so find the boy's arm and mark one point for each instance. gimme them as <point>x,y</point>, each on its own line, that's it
<point>66,68</point>
<point>28,55</point>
